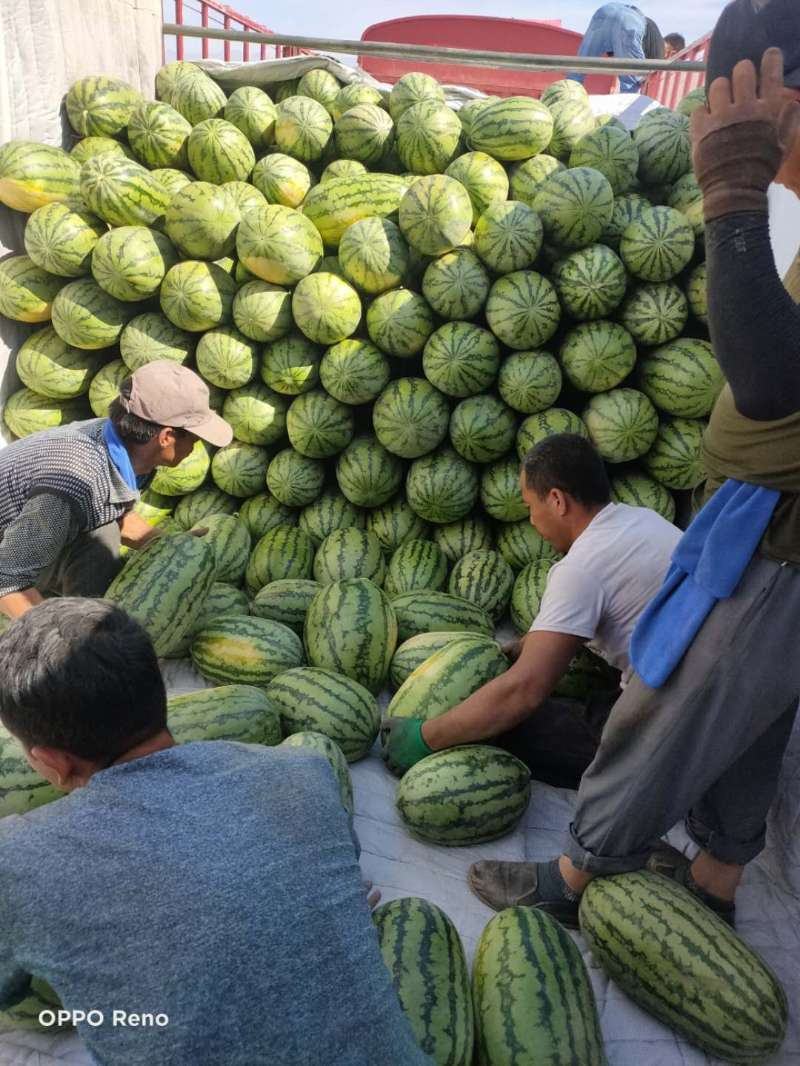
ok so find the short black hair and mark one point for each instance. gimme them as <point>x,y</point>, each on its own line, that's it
<point>677,40</point>
<point>652,42</point>
<point>131,428</point>
<point>568,462</point>
<point>82,676</point>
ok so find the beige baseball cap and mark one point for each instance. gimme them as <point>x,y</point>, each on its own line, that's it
<point>172,395</point>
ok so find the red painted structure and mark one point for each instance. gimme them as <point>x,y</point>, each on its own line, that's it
<point>220,16</point>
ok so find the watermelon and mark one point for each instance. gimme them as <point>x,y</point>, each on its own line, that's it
<point>351,628</point>
<point>655,313</point>
<point>228,712</point>
<point>657,246</point>
<point>586,676</point>
<point>520,543</point>
<point>682,378</point>
<point>329,512</point>
<point>373,254</point>
<point>290,365</point>
<point>104,388</point>
<point>285,600</point>
<point>197,296</point>
<point>252,112</point>
<point>461,359</point>
<point>410,417</point>
<point>219,152</point>
<point>681,963</point>
<point>246,651</point>
<point>240,469</point>
<point>529,382</point>
<point>99,106</point>
<point>431,611</point>
<point>256,414</point>
<point>354,371</point>
<point>439,803</point>
<point>294,479</point>
<point>367,474</point>
<point>326,308</point>
<point>399,322</point>
<point>262,312</point>
<point>686,196</point>
<point>516,127</point>
<point>522,310</point>
<point>122,192</point>
<point>526,178</point>
<point>526,596</point>
<point>442,487</point>
<point>410,90</point>
<point>201,220</point>
<point>87,317</point>
<point>26,291</point>
<point>675,459</point>
<point>394,523</point>
<point>343,168</point>
<point>194,506</point>
<point>696,293</point>
<point>428,135</point>
<point>415,651</point>
<point>590,282</point>
<point>691,101</point>
<point>339,202</point>
<point>613,152</point>
<point>572,121</point>
<point>278,244</point>
<point>482,428</point>
<point>484,578</point>
<point>416,564</point>
<point>470,108</point>
<point>349,96</point>
<point>32,175</point>
<point>435,214</point>
<point>302,128</point>
<point>546,424</point>
<point>195,95</point>
<point>172,180</point>
<point>638,490</point>
<point>457,538</point>
<point>423,954</point>
<point>52,368</point>
<point>664,144</point>
<point>627,209</point>
<point>158,135</point>
<point>156,509</point>
<point>163,587</point>
<point>187,476</point>
<point>348,553</point>
<point>317,742</point>
<point>226,358</point>
<point>26,412</point>
<point>456,285</point>
<point>22,789</point>
<point>533,996</point>
<point>281,179</point>
<point>318,425</point>
<point>575,207</point>
<point>363,133</point>
<point>263,512</point>
<point>59,239</point>
<point>129,262</point>
<point>622,424</point>
<point>90,146</point>
<point>597,356</point>
<point>484,179</point>
<point>286,89</point>
<point>151,336</point>
<point>319,85</point>
<point>501,496</point>
<point>508,236</point>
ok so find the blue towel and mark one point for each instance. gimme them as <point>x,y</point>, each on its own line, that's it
<point>120,458</point>
<point>706,566</point>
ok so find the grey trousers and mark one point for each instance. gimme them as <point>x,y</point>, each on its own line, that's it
<point>86,567</point>
<point>708,745</point>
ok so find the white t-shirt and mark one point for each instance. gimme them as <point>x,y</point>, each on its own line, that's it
<point>606,579</point>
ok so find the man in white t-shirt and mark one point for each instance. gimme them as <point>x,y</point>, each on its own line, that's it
<point>615,560</point>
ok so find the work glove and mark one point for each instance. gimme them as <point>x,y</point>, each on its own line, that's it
<point>741,139</point>
<point>402,744</point>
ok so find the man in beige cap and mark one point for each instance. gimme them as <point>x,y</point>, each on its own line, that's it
<point>67,494</point>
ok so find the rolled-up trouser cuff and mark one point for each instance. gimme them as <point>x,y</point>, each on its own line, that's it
<point>735,852</point>
<point>603,865</point>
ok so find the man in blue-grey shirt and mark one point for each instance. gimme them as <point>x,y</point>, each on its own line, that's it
<point>213,884</point>
<point>622,31</point>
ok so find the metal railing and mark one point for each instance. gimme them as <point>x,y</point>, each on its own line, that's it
<point>209,16</point>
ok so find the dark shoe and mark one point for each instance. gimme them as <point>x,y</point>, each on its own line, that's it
<point>671,863</point>
<point>516,884</point>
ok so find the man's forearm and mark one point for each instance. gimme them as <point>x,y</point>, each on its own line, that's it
<point>15,604</point>
<point>494,709</point>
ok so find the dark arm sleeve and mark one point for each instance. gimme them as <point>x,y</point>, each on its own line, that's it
<point>753,321</point>
<point>34,540</point>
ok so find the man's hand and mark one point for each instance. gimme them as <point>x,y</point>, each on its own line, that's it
<point>403,744</point>
<point>135,532</point>
<point>15,604</point>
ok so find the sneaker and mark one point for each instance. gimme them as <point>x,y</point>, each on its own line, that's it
<point>516,884</point>
<point>671,863</point>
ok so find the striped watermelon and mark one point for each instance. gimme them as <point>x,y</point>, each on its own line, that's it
<point>442,487</point>
<point>428,135</point>
<point>163,587</point>
<point>410,417</point>
<point>150,337</point>
<point>627,209</point>
<point>533,997</point>
<point>352,95</point>
<point>252,112</point>
<point>240,469</point>
<point>197,296</point>
<point>221,600</point>
<point>87,317</point>
<point>435,214</point>
<point>469,109</point>
<point>675,459</point>
<point>622,424</point>
<point>613,152</point>
<point>456,285</point>
<point>294,479</point>
<point>681,963</point>
<point>262,513</point>
<point>439,804</point>
<point>691,101</point>
<point>461,359</point>
<point>482,428</point>
<point>104,388</point>
<point>520,543</point>
<point>122,192</point>
<point>256,414</point>
<point>26,291</point>
<point>195,95</point>
<point>129,262</point>
<point>448,677</point>
<point>575,207</point>
<point>319,85</point>
<point>522,310</point>
<point>527,177</point>
<point>429,611</point>
<point>219,152</point>
<point>302,128</point>
<point>99,106</point>
<point>286,89</point>
<point>326,308</point>
<point>290,365</point>
<point>187,476</point>
<point>25,1015</point>
<point>484,179</point>
<point>363,132</point>
<point>60,239</point>
<point>657,246</point>
<point>516,127</point>
<point>638,490</point>
<point>686,196</point>
<point>336,204</point>
<point>664,145</point>
<point>228,712</point>
<point>526,596</point>
<point>89,146</point>
<point>201,220</point>
<point>529,382</point>
<point>484,578</point>
<point>157,133</point>
<point>590,282</point>
<point>655,313</point>
<point>508,236</point>
<point>343,168</point>
<point>586,676</point>
<point>172,180</point>
<point>394,523</point>
<point>246,651</point>
<point>597,356</point>
<point>51,367</point>
<point>682,378</point>
<point>281,179</point>
<point>367,473</point>
<point>326,702</point>
<point>313,741</point>
<point>373,254</point>
<point>329,512</point>
<point>32,175</point>
<point>351,628</point>
<point>415,651</point>
<point>286,601</point>
<point>229,539</point>
<point>227,358</point>
<point>278,244</point>
<point>546,424</point>
<point>696,293</point>
<point>410,90</point>
<point>22,789</point>
<point>347,553</point>
<point>354,371</point>
<point>263,312</point>
<point>572,121</point>
<point>155,508</point>
<point>399,322</point>
<point>423,954</point>
<point>501,496</point>
<point>318,425</point>
<point>416,564</point>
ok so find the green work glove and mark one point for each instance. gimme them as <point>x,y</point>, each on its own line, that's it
<point>402,743</point>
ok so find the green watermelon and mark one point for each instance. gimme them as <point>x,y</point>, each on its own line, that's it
<point>219,152</point>
<point>410,90</point>
<point>410,417</point>
<point>302,128</point>
<point>227,358</point>
<point>627,209</point>
<point>326,308</point>
<point>87,317</point>
<point>32,175</point>
<point>252,112</point>
<point>151,336</point>
<point>59,239</point>
<point>256,414</point>
<point>528,176</point>
<point>195,95</point>
<point>575,207</point>
<point>329,512</point>
<point>363,133</point>
<point>686,196</point>
<point>278,244</point>
<point>26,412</point>
<point>526,596</point>
<point>664,145</point>
<point>508,236</point>
<point>696,293</point>
<point>263,312</point>
<point>597,356</point>
<point>415,651</point>
<point>484,179</point>
<point>456,285</point>
<point>318,425</point>
<point>26,291</point>
<point>501,496</point>
<point>187,476</point>
<point>394,523</point>
<point>197,296</point>
<point>655,313</point>
<point>294,479</point>
<point>104,388</point>
<point>201,220</point>
<point>431,611</point>
<point>399,322</point>
<point>228,712</point>
<point>281,179</point>
<point>622,424</point>
<point>367,474</point>
<point>373,255</point>
<point>483,578</point>
<point>442,487</point>
<point>348,553</point>
<point>283,552</point>
<point>317,742</point>
<point>171,180</point>
<point>572,121</point>
<point>349,96</point>
<point>520,543</point>
<point>263,512</point>
<point>613,152</point>
<point>682,378</point>
<point>129,262</point>
<point>240,469</point>
<point>461,359</point>
<point>675,460</point>
<point>201,503</point>
<point>590,282</point>
<point>354,371</point>
<point>91,146</point>
<point>343,168</point>
<point>290,365</point>
<point>457,538</point>
<point>416,564</point>
<point>547,423</point>
<point>229,539</point>
<point>516,127</point>
<point>158,135</point>
<point>428,135</point>
<point>286,600</point>
<point>659,245</point>
<point>638,490</point>
<point>522,310</point>
<point>248,651</point>
<point>52,368</point>
<point>482,428</point>
<point>529,382</point>
<point>122,192</point>
<point>99,106</point>
<point>691,101</point>
<point>339,202</point>
<point>435,214</point>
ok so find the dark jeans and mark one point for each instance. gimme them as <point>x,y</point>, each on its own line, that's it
<point>86,567</point>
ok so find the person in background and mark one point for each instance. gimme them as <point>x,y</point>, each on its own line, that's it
<point>673,43</point>
<point>622,31</point>
<point>212,882</point>
<point>701,730</point>
<point>616,558</point>
<point>66,494</point>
